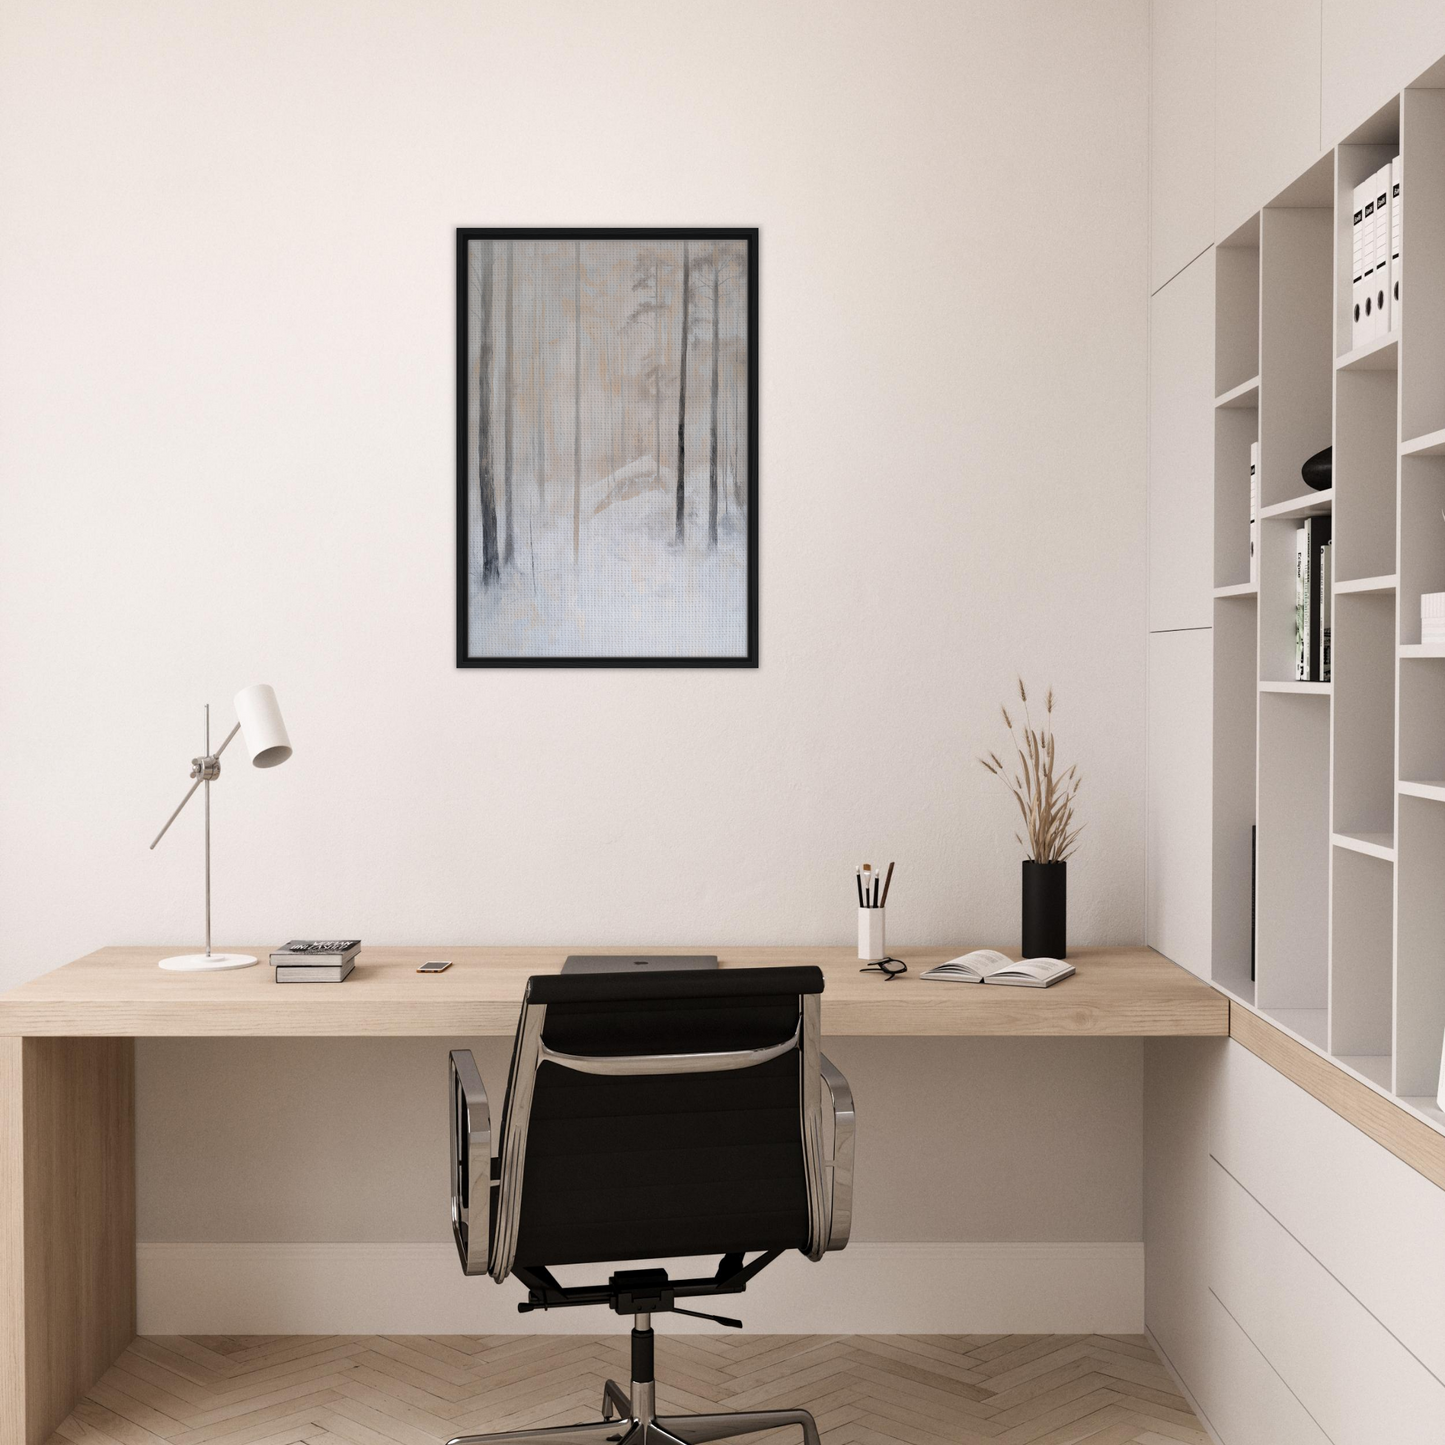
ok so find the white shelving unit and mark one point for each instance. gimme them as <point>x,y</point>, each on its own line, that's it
<point>1344,781</point>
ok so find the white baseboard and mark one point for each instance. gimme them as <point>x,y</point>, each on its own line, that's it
<point>306,1289</point>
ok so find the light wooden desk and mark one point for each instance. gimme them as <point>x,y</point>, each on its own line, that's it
<point>67,1090</point>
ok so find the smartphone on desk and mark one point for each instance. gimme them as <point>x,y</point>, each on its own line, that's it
<point>435,965</point>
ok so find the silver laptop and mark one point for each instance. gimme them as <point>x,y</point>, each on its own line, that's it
<point>636,962</point>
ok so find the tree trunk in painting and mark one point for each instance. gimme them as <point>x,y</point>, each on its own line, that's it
<point>657,368</point>
<point>508,550</point>
<point>712,418</point>
<point>541,384</point>
<point>486,485</point>
<point>682,401</point>
<point>577,415</point>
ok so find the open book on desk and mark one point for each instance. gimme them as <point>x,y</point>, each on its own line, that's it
<point>987,965</point>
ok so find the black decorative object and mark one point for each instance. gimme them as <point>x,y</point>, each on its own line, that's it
<point>1046,909</point>
<point>1319,471</point>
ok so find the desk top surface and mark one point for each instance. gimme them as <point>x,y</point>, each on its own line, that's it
<point>1122,992</point>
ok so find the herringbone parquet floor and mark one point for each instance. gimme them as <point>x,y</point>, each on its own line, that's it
<point>419,1390</point>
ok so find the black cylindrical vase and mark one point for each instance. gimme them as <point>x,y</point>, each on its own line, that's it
<point>1046,909</point>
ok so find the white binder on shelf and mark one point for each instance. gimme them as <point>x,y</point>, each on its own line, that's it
<point>1382,251</point>
<point>1357,267</point>
<point>1396,225</point>
<point>1367,323</point>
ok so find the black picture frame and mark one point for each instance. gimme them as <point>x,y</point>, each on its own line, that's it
<point>467,234</point>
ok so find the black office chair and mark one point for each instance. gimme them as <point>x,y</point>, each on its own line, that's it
<point>650,1117</point>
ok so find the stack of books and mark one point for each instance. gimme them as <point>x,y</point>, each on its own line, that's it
<point>315,960</point>
<point>1312,601</point>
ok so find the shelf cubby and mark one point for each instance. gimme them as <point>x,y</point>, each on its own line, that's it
<point>1422,537</point>
<point>1420,962</point>
<point>1364,703</point>
<point>1365,459</point>
<point>1362,902</point>
<point>1296,368</point>
<point>1294,852</point>
<point>1236,708</point>
<point>1422,253</point>
<point>1235,429</point>
<point>1236,313</point>
<point>1422,720</point>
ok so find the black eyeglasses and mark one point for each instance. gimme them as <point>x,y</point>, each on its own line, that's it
<point>890,968</point>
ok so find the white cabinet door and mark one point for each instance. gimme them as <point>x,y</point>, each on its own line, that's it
<point>1181,450</point>
<point>1266,102</point>
<point>1358,1382</point>
<point>1370,52</point>
<point>1371,1220</point>
<point>1181,134</point>
<point>1178,900</point>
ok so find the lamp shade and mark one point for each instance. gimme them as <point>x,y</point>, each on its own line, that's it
<point>262,730</point>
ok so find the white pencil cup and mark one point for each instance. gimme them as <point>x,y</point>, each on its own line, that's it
<point>871,946</point>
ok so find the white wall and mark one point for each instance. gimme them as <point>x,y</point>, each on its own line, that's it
<point>226,332</point>
<point>225,357</point>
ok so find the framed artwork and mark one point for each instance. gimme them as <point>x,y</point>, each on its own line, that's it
<point>607,448</point>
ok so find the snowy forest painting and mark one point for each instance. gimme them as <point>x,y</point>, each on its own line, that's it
<point>606,448</point>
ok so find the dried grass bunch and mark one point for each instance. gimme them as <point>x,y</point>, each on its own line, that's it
<point>1046,801</point>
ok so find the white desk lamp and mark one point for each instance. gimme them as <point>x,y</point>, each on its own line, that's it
<point>258,720</point>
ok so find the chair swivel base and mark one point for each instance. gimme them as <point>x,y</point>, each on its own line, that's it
<point>635,1424</point>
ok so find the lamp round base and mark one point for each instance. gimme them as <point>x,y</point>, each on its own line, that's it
<point>206,962</point>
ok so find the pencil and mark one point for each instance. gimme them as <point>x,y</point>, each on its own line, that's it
<point>858,879</point>
<point>886,884</point>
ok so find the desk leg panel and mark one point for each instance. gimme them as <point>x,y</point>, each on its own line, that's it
<point>67,1211</point>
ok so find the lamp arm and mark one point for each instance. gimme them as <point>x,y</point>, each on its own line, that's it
<point>227,743</point>
<point>202,774</point>
<point>177,813</point>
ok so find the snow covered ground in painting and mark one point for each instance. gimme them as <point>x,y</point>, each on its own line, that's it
<point>633,592</point>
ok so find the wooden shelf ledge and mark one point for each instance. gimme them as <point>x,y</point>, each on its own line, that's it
<point>1391,1121</point>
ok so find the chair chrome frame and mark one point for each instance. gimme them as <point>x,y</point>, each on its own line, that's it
<point>485,1227</point>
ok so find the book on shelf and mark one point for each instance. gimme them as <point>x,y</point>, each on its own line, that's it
<point>1326,607</point>
<point>1311,538</point>
<point>1254,513</point>
<point>314,972</point>
<point>1301,606</point>
<point>988,965</point>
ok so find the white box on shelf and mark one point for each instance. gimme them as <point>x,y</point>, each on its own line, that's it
<point>1357,266</point>
<point>1432,617</point>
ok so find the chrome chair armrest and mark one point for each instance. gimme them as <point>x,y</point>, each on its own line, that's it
<point>840,1166</point>
<point>471,1128</point>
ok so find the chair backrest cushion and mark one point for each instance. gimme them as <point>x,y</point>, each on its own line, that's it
<point>652,1166</point>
